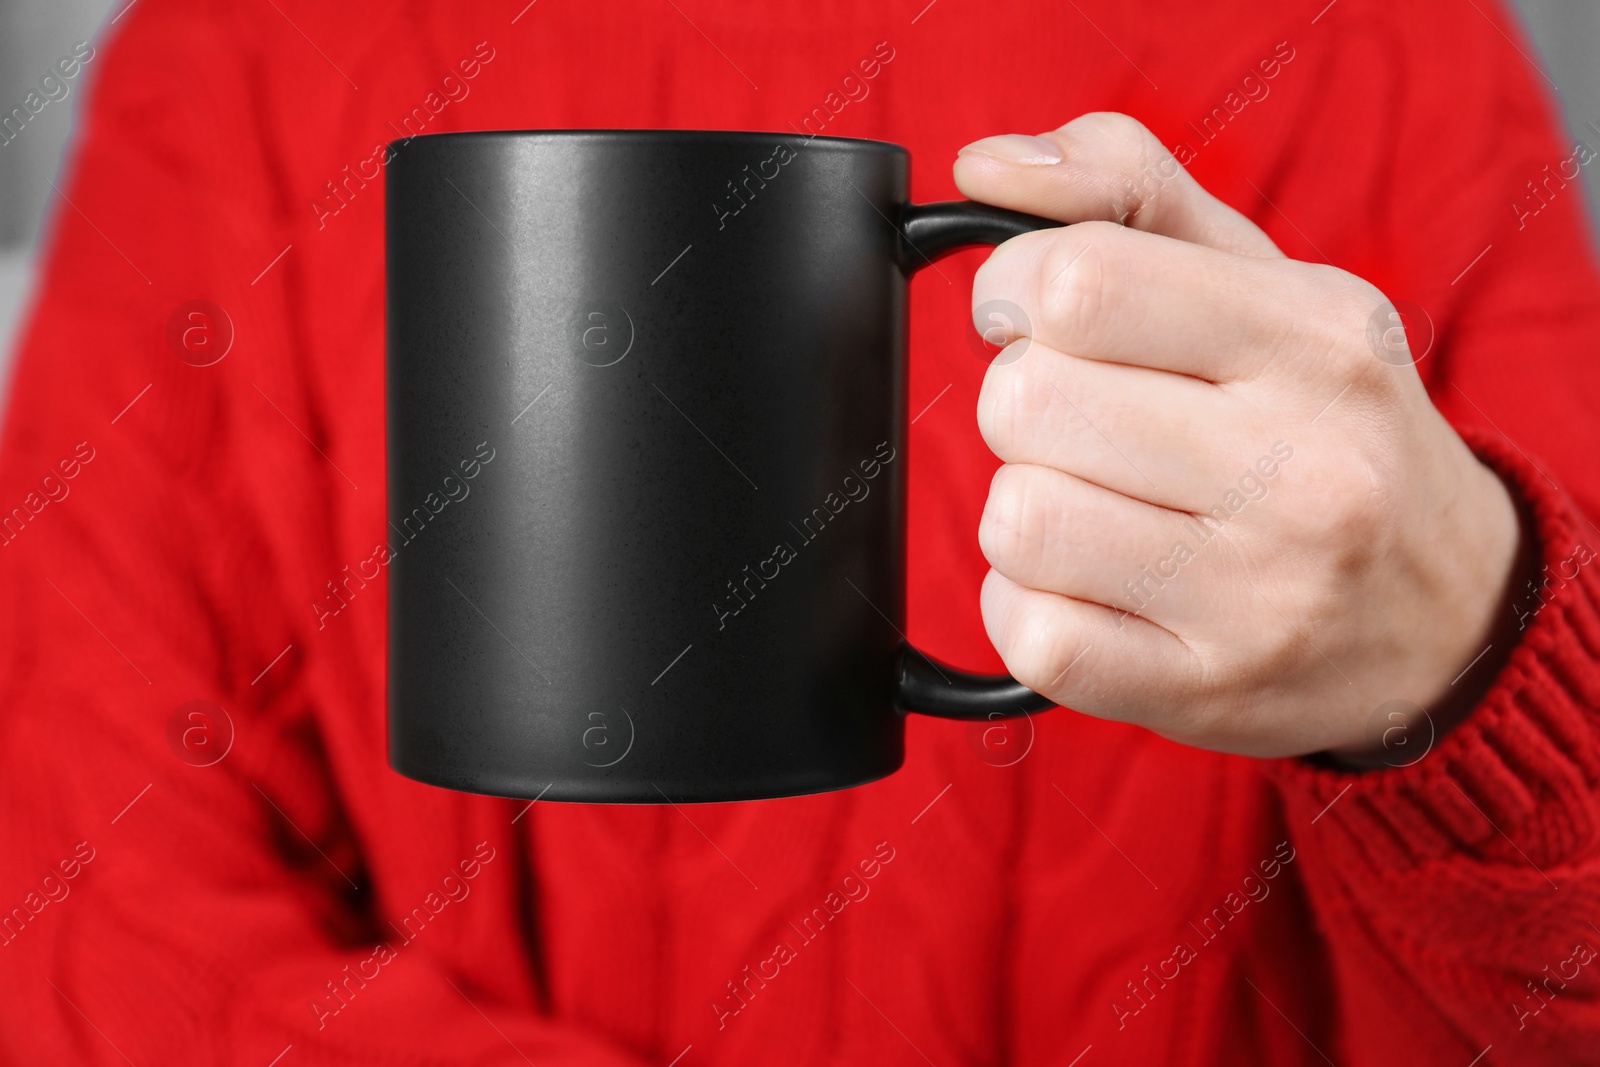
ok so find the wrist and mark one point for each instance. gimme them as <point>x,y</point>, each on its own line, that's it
<point>1492,617</point>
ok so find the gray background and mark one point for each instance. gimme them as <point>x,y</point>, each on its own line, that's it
<point>33,33</point>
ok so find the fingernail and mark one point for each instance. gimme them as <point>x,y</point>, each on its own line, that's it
<point>1016,148</point>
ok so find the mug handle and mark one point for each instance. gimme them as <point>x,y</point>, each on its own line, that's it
<point>929,232</point>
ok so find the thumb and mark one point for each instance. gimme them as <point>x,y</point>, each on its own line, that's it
<point>1104,166</point>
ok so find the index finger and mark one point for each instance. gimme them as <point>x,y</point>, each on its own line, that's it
<point>1101,291</point>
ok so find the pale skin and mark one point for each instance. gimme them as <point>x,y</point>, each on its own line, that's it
<point>1169,347</point>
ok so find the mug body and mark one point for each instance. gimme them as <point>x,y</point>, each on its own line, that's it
<point>646,463</point>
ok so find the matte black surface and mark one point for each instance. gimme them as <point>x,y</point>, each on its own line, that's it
<point>673,365</point>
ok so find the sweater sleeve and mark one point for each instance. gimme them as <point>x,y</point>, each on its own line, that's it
<point>1468,881</point>
<point>1469,877</point>
<point>185,876</point>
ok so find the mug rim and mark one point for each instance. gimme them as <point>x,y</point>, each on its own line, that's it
<point>857,144</point>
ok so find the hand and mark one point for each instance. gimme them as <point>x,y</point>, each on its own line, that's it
<point>1221,516</point>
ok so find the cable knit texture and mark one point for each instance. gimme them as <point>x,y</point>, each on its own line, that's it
<point>252,885</point>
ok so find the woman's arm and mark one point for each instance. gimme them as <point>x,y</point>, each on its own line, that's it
<point>1234,512</point>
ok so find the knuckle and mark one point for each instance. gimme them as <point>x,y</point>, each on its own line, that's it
<point>1358,525</point>
<point>1342,307</point>
<point>1350,317</point>
<point>1135,165</point>
<point>1078,288</point>
<point>1349,495</point>
<point>1005,529</point>
<point>1006,410</point>
<point>995,415</point>
<point>990,280</point>
<point>1037,650</point>
<point>1280,649</point>
<point>1022,422</point>
<point>1110,129</point>
<point>997,276</point>
<point>1340,527</point>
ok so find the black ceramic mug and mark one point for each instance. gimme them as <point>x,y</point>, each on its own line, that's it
<point>647,463</point>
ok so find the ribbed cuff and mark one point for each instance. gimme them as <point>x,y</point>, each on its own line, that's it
<point>1522,770</point>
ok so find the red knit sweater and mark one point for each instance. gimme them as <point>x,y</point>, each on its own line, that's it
<point>1081,893</point>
